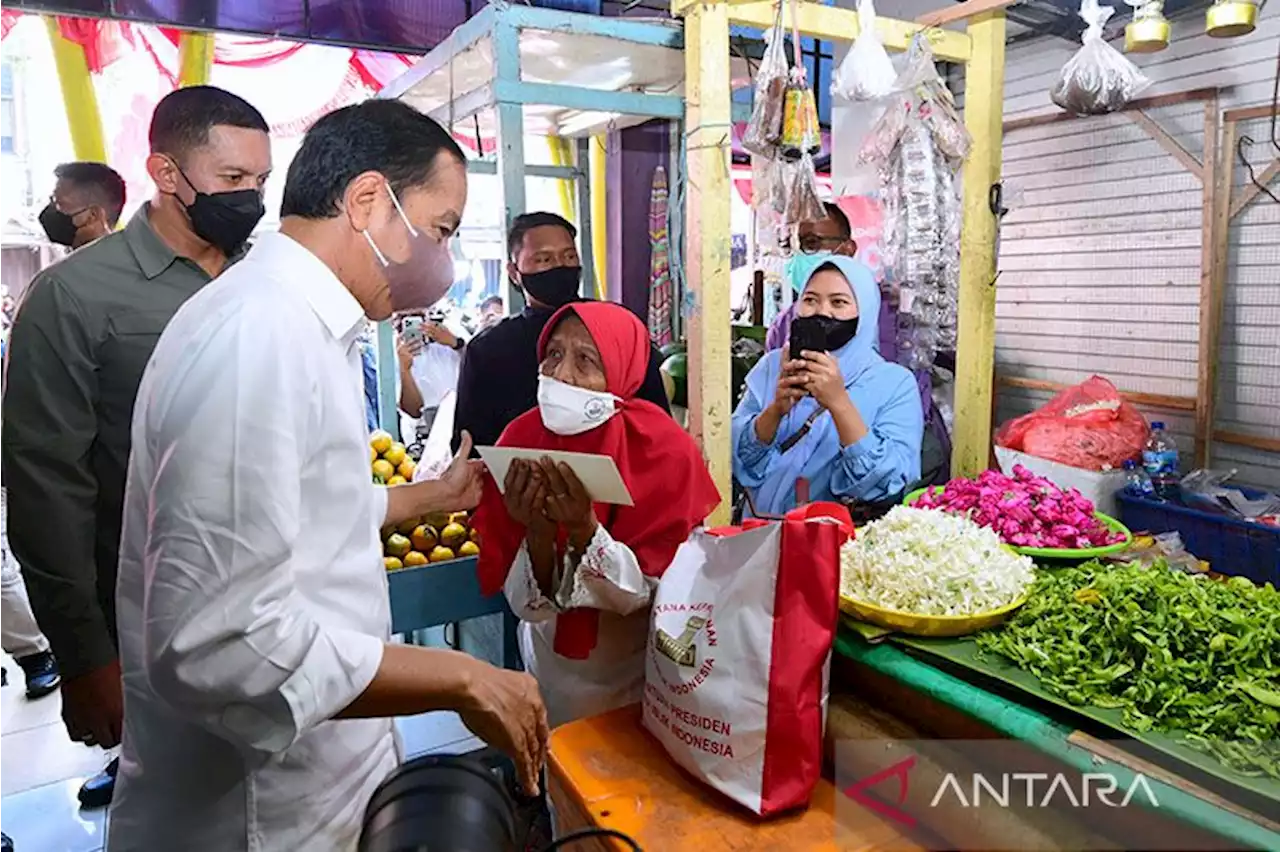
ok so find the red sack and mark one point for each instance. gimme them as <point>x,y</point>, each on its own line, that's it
<point>1088,426</point>
<point>739,640</point>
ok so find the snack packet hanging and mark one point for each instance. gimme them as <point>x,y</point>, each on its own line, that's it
<point>1098,79</point>
<point>764,129</point>
<point>866,73</point>
<point>800,130</point>
<point>802,202</point>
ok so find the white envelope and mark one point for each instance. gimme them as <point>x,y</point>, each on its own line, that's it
<point>598,473</point>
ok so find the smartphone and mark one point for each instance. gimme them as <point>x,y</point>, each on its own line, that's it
<point>411,330</point>
<point>806,336</point>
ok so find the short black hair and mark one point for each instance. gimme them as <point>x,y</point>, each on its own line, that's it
<point>835,214</point>
<point>385,136</point>
<point>184,117</point>
<point>491,300</point>
<point>526,222</point>
<point>99,183</point>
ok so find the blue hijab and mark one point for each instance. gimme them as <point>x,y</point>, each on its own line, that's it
<point>871,382</point>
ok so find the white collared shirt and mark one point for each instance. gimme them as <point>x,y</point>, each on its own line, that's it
<point>252,601</point>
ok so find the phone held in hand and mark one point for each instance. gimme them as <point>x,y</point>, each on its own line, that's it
<point>806,337</point>
<point>411,330</point>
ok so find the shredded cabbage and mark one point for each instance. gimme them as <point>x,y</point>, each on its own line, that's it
<point>932,563</point>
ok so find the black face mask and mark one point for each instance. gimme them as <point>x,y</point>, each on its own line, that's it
<point>224,219</point>
<point>58,226</point>
<point>832,332</point>
<point>555,287</point>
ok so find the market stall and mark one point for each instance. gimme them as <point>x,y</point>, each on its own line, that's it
<point>1195,733</point>
<point>707,140</point>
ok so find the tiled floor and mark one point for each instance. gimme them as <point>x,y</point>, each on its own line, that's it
<point>41,770</point>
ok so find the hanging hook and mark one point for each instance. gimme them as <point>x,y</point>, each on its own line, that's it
<point>995,200</point>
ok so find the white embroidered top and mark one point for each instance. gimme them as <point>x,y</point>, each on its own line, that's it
<point>607,578</point>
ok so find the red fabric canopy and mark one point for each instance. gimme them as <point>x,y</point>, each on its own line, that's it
<point>106,41</point>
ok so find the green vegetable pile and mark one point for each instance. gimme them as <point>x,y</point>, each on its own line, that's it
<point>1189,655</point>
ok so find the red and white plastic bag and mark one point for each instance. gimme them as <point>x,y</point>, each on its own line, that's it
<point>739,651</point>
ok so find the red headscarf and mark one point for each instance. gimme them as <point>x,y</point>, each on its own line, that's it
<point>659,462</point>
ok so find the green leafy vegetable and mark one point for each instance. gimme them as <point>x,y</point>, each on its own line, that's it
<point>1174,652</point>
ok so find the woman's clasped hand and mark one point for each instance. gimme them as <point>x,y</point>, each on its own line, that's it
<point>543,494</point>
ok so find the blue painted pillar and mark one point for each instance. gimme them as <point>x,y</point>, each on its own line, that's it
<point>506,46</point>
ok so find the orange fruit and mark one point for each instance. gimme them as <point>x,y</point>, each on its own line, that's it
<point>475,535</point>
<point>397,479</point>
<point>407,527</point>
<point>441,554</point>
<point>469,548</point>
<point>424,538</point>
<point>391,563</point>
<point>414,558</point>
<point>383,469</point>
<point>397,545</point>
<point>380,441</point>
<point>373,454</point>
<point>406,469</point>
<point>453,535</point>
<point>395,454</point>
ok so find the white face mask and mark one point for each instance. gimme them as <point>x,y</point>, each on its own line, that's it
<point>570,410</point>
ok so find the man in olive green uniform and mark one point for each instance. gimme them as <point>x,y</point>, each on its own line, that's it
<point>81,339</point>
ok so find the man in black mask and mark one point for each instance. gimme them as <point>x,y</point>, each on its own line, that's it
<point>86,204</point>
<point>499,377</point>
<point>79,344</point>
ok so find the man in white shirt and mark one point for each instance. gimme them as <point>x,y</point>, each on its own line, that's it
<point>252,601</point>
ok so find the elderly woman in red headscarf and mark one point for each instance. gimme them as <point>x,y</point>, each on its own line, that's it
<point>578,574</point>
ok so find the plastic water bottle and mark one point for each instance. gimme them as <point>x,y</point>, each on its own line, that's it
<point>1160,458</point>
<point>1136,481</point>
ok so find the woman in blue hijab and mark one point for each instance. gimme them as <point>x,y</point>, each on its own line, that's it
<point>844,419</point>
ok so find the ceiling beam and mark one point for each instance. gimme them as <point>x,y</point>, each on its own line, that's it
<point>962,11</point>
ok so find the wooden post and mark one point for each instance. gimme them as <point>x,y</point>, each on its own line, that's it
<point>975,355</point>
<point>78,96</point>
<point>195,59</point>
<point>707,141</point>
<point>1216,215</point>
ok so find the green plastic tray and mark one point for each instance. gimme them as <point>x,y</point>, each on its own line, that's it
<point>1058,552</point>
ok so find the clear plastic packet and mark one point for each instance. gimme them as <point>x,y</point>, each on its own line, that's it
<point>866,73</point>
<point>920,93</point>
<point>1098,79</point>
<point>800,131</point>
<point>802,202</point>
<point>764,129</point>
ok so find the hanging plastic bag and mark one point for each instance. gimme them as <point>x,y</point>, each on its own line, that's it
<point>911,93</point>
<point>1098,79</point>
<point>803,204</point>
<point>866,72</point>
<point>764,130</point>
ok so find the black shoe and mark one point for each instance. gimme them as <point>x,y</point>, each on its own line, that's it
<point>97,791</point>
<point>42,674</point>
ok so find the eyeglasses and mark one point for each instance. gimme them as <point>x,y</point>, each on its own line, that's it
<point>812,243</point>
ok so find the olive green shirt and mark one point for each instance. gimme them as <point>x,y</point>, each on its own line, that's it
<point>79,344</point>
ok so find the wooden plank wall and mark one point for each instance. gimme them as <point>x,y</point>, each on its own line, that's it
<point>1100,255</point>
